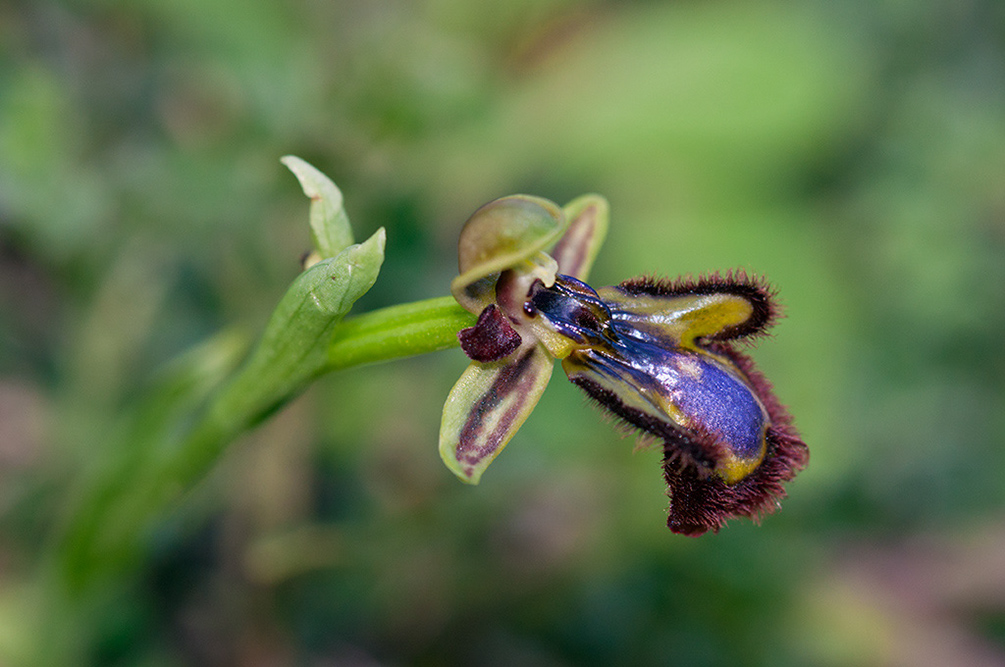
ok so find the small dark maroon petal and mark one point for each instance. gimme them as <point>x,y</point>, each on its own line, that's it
<point>755,290</point>
<point>491,338</point>
<point>572,250</point>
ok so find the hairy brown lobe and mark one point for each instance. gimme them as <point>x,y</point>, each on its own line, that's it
<point>756,291</point>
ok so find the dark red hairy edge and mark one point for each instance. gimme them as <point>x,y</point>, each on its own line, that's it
<point>699,500</point>
<point>755,289</point>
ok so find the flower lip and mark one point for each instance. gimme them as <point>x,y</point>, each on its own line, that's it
<point>680,387</point>
<point>669,391</point>
<point>698,504</point>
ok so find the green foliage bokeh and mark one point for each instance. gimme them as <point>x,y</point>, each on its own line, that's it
<point>854,153</point>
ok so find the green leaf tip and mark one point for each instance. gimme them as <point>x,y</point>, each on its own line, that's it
<point>331,231</point>
<point>294,346</point>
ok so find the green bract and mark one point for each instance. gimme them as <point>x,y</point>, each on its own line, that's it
<point>330,228</point>
<point>168,459</point>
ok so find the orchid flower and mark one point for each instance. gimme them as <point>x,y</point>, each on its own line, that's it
<point>658,355</point>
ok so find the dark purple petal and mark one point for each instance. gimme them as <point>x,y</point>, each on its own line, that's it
<point>588,219</point>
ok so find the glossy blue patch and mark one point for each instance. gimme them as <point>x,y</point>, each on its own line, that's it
<point>692,390</point>
<point>709,396</point>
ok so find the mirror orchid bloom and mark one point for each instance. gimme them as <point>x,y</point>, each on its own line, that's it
<point>658,355</point>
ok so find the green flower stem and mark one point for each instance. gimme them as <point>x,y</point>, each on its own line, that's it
<point>390,333</point>
<point>398,331</point>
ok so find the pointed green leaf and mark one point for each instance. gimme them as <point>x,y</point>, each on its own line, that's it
<point>132,451</point>
<point>294,346</point>
<point>107,526</point>
<point>588,218</point>
<point>330,228</point>
<point>487,406</point>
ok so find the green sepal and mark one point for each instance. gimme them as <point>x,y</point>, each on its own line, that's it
<point>588,216</point>
<point>500,235</point>
<point>331,232</point>
<point>487,406</point>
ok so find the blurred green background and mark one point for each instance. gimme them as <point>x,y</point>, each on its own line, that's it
<point>852,152</point>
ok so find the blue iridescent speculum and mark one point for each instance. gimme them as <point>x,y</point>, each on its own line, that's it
<point>696,390</point>
<point>656,354</point>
